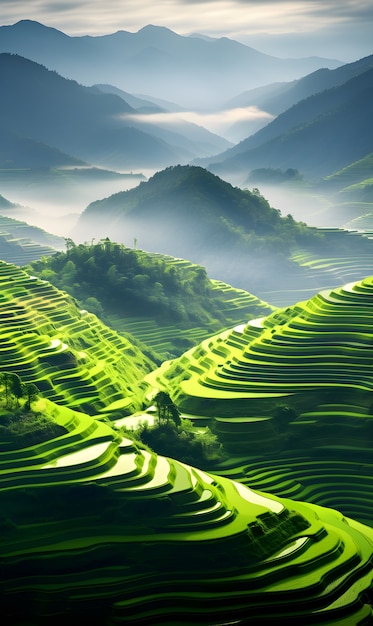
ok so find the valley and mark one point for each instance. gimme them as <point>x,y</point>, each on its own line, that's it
<point>186,344</point>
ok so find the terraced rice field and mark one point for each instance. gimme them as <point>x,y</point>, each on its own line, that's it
<point>21,243</point>
<point>347,265</point>
<point>96,530</point>
<point>324,343</point>
<point>69,354</point>
<point>290,397</point>
<point>235,305</point>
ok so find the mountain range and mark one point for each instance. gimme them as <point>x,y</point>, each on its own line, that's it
<point>188,212</point>
<point>318,135</point>
<point>103,519</point>
<point>49,120</point>
<point>156,61</point>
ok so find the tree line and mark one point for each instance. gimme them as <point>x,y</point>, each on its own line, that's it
<point>109,277</point>
<point>15,390</point>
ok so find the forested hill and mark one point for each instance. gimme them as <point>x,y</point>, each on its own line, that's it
<point>118,283</point>
<point>194,196</point>
<point>188,212</point>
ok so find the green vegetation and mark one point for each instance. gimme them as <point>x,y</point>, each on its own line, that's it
<point>99,520</point>
<point>20,425</point>
<point>194,195</point>
<point>266,175</point>
<point>289,398</point>
<point>91,520</point>
<point>154,297</point>
<point>66,352</point>
<point>176,436</point>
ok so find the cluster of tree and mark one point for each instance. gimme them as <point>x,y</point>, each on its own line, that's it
<point>106,276</point>
<point>175,436</point>
<point>182,442</point>
<point>15,390</point>
<point>20,425</point>
<point>166,409</point>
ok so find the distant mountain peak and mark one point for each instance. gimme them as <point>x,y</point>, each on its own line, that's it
<point>31,27</point>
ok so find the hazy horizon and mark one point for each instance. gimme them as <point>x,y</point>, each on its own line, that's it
<point>292,28</point>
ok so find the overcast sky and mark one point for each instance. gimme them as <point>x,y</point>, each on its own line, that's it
<point>341,29</point>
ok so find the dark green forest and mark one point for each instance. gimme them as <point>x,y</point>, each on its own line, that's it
<point>107,277</point>
<point>233,216</point>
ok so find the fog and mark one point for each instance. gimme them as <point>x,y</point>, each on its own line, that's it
<point>233,124</point>
<point>309,206</point>
<point>56,202</point>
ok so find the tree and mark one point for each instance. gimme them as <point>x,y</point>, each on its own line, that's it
<point>16,387</point>
<point>166,408</point>
<point>32,392</point>
<point>13,388</point>
<point>174,414</point>
<point>162,400</point>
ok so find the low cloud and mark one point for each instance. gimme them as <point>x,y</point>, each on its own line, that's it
<point>218,122</point>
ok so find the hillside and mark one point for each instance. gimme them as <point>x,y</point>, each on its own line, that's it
<point>22,152</point>
<point>95,534</point>
<point>67,352</point>
<point>235,234</point>
<point>167,303</point>
<point>191,70</point>
<point>188,212</point>
<point>40,106</point>
<point>21,243</point>
<point>337,118</point>
<point>290,397</point>
<point>278,97</point>
<point>319,347</point>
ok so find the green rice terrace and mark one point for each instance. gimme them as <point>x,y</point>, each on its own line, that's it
<point>97,528</point>
<point>21,243</point>
<point>290,397</point>
<point>68,353</point>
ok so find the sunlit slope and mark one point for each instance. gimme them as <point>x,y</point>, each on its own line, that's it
<point>320,346</point>
<point>96,530</point>
<point>290,397</point>
<point>68,353</point>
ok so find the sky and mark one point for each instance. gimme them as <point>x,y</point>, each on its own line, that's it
<point>335,29</point>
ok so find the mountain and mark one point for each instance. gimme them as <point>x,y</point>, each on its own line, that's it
<point>21,152</point>
<point>276,98</point>
<point>140,104</point>
<point>186,211</point>
<point>170,128</point>
<point>40,106</point>
<point>317,136</point>
<point>191,70</point>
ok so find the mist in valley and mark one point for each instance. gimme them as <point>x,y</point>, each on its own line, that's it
<point>152,100</point>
